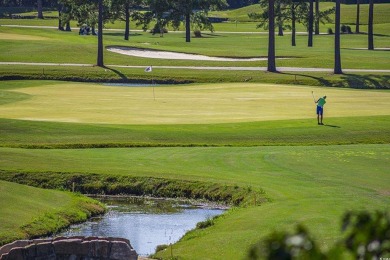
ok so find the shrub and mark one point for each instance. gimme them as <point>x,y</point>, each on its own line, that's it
<point>349,30</point>
<point>343,28</point>
<point>367,237</point>
<point>281,245</point>
<point>198,33</point>
<point>157,29</point>
<point>204,224</point>
<point>161,247</point>
<point>330,31</point>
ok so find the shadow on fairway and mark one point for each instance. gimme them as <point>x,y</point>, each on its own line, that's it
<point>334,126</point>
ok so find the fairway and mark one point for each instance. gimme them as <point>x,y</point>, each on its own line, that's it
<point>21,37</point>
<point>186,104</point>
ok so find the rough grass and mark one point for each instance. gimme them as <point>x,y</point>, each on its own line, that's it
<point>116,184</point>
<point>185,76</point>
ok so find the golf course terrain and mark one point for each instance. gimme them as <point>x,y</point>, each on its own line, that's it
<point>243,137</point>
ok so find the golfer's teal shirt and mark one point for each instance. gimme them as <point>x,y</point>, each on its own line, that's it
<point>321,102</point>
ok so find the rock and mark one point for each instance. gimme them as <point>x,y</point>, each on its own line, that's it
<point>69,248</point>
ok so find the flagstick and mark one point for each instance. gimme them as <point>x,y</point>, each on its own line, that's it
<point>149,69</point>
<point>154,97</point>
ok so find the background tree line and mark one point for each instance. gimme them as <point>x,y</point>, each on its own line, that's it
<point>233,4</point>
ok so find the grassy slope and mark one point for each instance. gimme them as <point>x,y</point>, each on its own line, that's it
<point>29,212</point>
<point>314,185</point>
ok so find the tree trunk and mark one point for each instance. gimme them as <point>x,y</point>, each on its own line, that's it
<point>40,9</point>
<point>127,22</point>
<point>371,25</point>
<point>100,62</point>
<point>310,39</point>
<point>271,37</point>
<point>60,26</point>
<point>317,18</point>
<point>293,30</point>
<point>188,28</point>
<point>280,29</point>
<point>357,30</point>
<point>68,29</point>
<point>337,57</point>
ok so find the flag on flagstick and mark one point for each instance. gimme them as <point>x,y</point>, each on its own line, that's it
<point>148,69</point>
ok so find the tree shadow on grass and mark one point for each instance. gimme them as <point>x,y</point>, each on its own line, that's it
<point>370,81</point>
<point>212,35</point>
<point>357,81</point>
<point>122,34</point>
<point>120,74</point>
<point>320,80</point>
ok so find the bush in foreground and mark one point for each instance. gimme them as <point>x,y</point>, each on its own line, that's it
<point>367,237</point>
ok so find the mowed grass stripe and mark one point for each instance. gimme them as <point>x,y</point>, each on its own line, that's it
<point>351,130</point>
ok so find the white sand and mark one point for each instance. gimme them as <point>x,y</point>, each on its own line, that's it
<point>172,55</point>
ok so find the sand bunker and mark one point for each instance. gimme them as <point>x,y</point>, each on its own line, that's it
<point>173,55</point>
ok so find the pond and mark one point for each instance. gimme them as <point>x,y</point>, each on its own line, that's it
<point>145,222</point>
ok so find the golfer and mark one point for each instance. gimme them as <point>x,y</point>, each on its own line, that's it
<point>320,109</point>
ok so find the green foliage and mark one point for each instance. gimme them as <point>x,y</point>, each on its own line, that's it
<point>367,234</point>
<point>204,224</point>
<point>367,237</point>
<point>161,247</point>
<point>285,246</point>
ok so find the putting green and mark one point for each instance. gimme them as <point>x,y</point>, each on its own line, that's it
<point>206,103</point>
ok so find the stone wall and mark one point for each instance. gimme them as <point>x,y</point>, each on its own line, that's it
<point>69,248</point>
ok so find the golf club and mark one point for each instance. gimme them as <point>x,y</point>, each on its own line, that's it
<point>312,93</point>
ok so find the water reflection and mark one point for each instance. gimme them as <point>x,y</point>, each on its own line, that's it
<point>145,222</point>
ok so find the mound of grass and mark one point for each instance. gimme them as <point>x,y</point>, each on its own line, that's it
<point>28,212</point>
<point>113,184</point>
